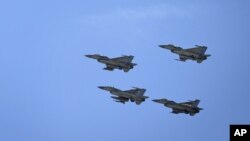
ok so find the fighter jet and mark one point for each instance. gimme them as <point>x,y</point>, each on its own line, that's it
<point>123,63</point>
<point>134,95</point>
<point>196,53</point>
<point>190,107</point>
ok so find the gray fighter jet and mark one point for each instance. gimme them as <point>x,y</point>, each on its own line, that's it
<point>123,63</point>
<point>197,53</point>
<point>134,95</point>
<point>190,107</point>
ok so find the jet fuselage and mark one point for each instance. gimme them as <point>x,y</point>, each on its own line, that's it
<point>114,63</point>
<point>125,94</point>
<point>184,108</point>
<point>196,54</point>
<point>190,55</point>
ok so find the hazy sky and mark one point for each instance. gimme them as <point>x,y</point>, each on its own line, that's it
<point>48,89</point>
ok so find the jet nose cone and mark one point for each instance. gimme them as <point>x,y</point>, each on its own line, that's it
<point>101,87</point>
<point>106,88</point>
<point>156,100</point>
<point>162,46</point>
<point>89,56</point>
<point>94,56</point>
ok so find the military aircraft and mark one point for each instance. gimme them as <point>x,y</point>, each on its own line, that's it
<point>196,53</point>
<point>134,95</point>
<point>190,107</point>
<point>123,63</point>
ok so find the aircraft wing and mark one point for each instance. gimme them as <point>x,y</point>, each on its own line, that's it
<point>140,92</point>
<point>133,91</point>
<point>127,59</point>
<point>198,50</point>
<point>136,91</point>
<point>194,103</point>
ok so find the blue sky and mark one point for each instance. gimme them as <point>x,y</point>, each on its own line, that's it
<point>49,89</point>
